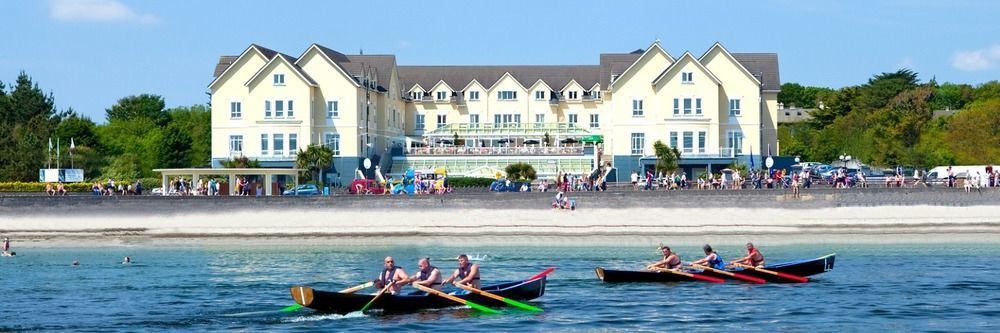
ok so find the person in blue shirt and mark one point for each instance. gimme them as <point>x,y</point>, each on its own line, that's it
<point>711,259</point>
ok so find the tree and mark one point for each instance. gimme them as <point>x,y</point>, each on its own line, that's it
<point>951,96</point>
<point>666,157</point>
<point>794,94</point>
<point>314,159</point>
<point>895,130</point>
<point>79,128</point>
<point>196,122</point>
<point>974,134</point>
<point>173,149</point>
<point>241,162</point>
<point>27,120</point>
<point>142,106</point>
<point>521,171</point>
<point>986,91</point>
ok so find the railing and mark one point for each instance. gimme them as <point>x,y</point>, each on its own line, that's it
<point>458,100</point>
<point>488,151</point>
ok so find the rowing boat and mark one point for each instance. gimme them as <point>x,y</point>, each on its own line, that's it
<point>802,268</point>
<point>342,303</point>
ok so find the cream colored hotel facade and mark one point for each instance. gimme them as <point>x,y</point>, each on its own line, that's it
<point>717,108</point>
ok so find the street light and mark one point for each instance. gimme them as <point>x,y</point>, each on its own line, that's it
<point>845,159</point>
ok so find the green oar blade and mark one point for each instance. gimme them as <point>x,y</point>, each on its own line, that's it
<point>528,307</point>
<point>291,308</point>
<point>480,307</point>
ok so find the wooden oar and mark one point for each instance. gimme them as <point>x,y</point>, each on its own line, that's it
<point>303,296</point>
<point>693,276</point>
<point>792,277</point>
<point>379,294</point>
<point>499,298</point>
<point>542,274</point>
<point>455,299</point>
<point>730,274</point>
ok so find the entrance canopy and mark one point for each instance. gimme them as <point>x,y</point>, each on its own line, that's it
<point>231,173</point>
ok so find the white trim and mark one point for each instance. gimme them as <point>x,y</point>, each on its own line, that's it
<point>290,64</point>
<point>251,47</point>
<point>330,61</point>
<point>732,58</point>
<point>468,85</point>
<point>534,85</point>
<point>655,45</point>
<point>571,81</point>
<point>676,65</point>
<point>439,83</point>
<point>506,74</point>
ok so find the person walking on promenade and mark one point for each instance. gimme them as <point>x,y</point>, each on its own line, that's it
<point>795,185</point>
<point>635,180</point>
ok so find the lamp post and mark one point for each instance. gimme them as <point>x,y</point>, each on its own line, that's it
<point>844,159</point>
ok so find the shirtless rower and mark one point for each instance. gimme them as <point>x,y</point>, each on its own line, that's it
<point>753,257</point>
<point>670,260</point>
<point>467,273</point>
<point>428,276</point>
<point>391,273</point>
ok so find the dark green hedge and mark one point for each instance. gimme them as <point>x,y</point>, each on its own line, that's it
<point>469,182</point>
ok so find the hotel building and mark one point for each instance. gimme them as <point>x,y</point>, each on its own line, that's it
<point>717,109</point>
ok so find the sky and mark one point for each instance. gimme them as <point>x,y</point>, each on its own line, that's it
<point>90,53</point>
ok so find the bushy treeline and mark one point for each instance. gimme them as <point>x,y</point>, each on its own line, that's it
<point>139,134</point>
<point>890,121</point>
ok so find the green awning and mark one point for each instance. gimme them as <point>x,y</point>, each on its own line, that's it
<point>596,138</point>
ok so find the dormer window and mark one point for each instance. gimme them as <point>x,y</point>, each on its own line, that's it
<point>279,79</point>
<point>442,95</point>
<point>573,94</point>
<point>687,77</point>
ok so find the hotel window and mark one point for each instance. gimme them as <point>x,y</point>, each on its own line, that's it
<point>734,107</point>
<point>637,108</point>
<point>235,144</point>
<point>697,106</point>
<point>507,95</point>
<point>332,109</point>
<point>573,118</point>
<point>540,95</point>
<point>235,110</point>
<point>573,94</point>
<point>442,120</point>
<point>677,106</point>
<point>673,140</point>
<point>420,122</point>
<point>687,106</point>
<point>473,95</point>
<point>293,144</point>
<point>734,141</point>
<point>279,109</point>
<point>291,109</point>
<point>332,141</point>
<point>416,95</point>
<point>267,109</point>
<point>595,120</point>
<point>638,143</point>
<point>688,142</point>
<point>687,77</point>
<point>540,118</point>
<point>263,144</point>
<point>701,142</point>
<point>474,119</point>
<point>279,144</point>
<point>279,79</point>
<point>442,95</point>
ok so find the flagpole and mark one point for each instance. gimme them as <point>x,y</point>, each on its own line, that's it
<point>48,157</point>
<point>57,152</point>
<point>71,147</point>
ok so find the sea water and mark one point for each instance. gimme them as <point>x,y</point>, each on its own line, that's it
<point>943,288</point>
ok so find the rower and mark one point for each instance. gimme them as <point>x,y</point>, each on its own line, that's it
<point>391,273</point>
<point>428,276</point>
<point>670,260</point>
<point>711,259</point>
<point>467,273</point>
<point>753,257</point>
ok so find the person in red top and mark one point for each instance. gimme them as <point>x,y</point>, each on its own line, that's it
<point>753,257</point>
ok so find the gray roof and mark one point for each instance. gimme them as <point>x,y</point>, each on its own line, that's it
<point>615,64</point>
<point>765,64</point>
<point>224,62</point>
<point>460,76</point>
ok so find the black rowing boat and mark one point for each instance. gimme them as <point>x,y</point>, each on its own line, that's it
<point>802,268</point>
<point>342,303</point>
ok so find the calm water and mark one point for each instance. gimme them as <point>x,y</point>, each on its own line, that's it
<point>873,288</point>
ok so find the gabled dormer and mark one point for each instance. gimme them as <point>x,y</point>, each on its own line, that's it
<point>248,62</point>
<point>653,57</point>
<point>572,91</point>
<point>688,70</point>
<point>507,88</point>
<point>717,57</point>
<point>442,92</point>
<point>278,72</point>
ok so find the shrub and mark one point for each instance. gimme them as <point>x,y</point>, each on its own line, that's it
<point>469,182</point>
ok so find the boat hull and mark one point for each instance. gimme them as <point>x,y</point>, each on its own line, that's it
<point>802,268</point>
<point>342,303</point>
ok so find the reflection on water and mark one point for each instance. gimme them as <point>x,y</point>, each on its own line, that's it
<point>898,288</point>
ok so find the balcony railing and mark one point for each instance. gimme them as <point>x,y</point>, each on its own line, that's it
<point>489,151</point>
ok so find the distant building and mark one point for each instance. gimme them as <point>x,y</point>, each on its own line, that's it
<point>716,109</point>
<point>792,114</point>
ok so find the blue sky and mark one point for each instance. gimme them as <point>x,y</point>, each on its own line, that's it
<point>90,53</point>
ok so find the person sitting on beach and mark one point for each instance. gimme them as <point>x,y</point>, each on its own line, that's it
<point>711,259</point>
<point>558,202</point>
<point>61,189</point>
<point>49,190</point>
<point>391,274</point>
<point>753,258</point>
<point>428,276</point>
<point>670,260</point>
<point>466,274</point>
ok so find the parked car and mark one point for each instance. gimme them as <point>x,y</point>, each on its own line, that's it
<point>306,189</point>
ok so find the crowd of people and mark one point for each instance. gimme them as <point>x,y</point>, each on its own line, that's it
<point>672,261</point>
<point>111,188</point>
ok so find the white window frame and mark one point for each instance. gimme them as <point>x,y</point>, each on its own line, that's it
<point>442,95</point>
<point>539,95</point>
<point>420,122</point>
<point>687,77</point>
<point>278,79</point>
<point>332,140</point>
<point>687,142</point>
<point>293,144</point>
<point>572,119</point>
<point>290,112</point>
<point>442,120</point>
<point>697,106</point>
<point>734,141</point>
<point>474,119</point>
<point>539,118</point>
<point>734,107</point>
<point>235,144</point>
<point>637,107</point>
<point>474,95</point>
<point>279,109</point>
<point>595,120</point>
<point>687,105</point>
<point>278,145</point>
<point>702,137</point>
<point>332,108</point>
<point>674,140</point>
<point>573,94</point>
<point>638,143</point>
<point>507,95</point>
<point>677,106</point>
<point>235,110</point>
<point>264,144</point>
<point>268,109</point>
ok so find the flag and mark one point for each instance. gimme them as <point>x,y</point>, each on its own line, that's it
<point>71,144</point>
<point>50,144</point>
<point>751,157</point>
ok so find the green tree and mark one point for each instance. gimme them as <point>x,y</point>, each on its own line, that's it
<point>314,160</point>
<point>79,128</point>
<point>241,162</point>
<point>27,120</point>
<point>974,134</point>
<point>141,106</point>
<point>951,96</point>
<point>196,122</point>
<point>521,171</point>
<point>172,151</point>
<point>895,130</point>
<point>666,157</point>
<point>986,91</point>
<point>794,94</point>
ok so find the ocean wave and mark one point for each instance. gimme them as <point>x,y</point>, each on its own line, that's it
<point>321,317</point>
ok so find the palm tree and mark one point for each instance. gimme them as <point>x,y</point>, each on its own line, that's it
<point>315,159</point>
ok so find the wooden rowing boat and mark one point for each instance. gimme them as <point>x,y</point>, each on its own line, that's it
<point>802,268</point>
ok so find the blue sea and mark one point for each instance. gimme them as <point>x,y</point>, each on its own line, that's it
<point>911,288</point>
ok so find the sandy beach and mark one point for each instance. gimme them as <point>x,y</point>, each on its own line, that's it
<point>717,217</point>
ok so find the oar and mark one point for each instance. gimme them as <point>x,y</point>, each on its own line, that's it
<point>456,299</point>
<point>542,274</point>
<point>499,298</point>
<point>731,274</point>
<point>377,295</point>
<point>303,295</point>
<point>693,276</point>
<point>792,277</point>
